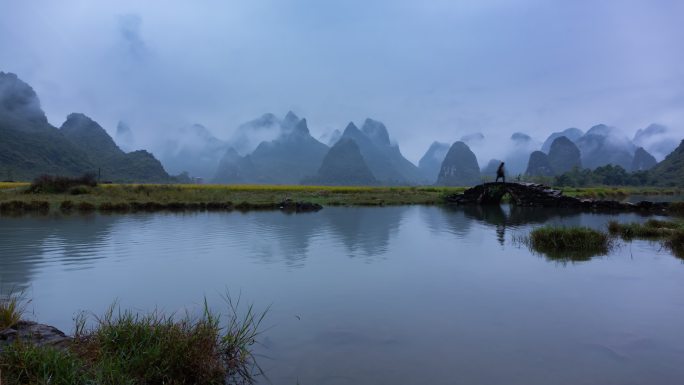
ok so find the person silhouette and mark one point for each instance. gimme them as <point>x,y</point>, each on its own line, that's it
<point>500,173</point>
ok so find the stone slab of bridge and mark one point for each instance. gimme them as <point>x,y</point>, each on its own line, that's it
<point>538,195</point>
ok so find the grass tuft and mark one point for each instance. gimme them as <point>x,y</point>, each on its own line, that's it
<point>568,243</point>
<point>12,308</point>
<point>124,347</point>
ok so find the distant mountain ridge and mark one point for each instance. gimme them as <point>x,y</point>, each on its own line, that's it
<point>30,146</point>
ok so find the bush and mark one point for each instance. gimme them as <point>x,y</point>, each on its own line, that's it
<point>48,184</point>
<point>66,205</point>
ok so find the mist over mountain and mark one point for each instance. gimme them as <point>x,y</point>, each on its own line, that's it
<point>603,145</point>
<point>250,134</point>
<point>29,143</point>
<point>430,164</point>
<point>473,138</point>
<point>192,149</point>
<point>490,169</point>
<point>32,146</point>
<point>124,136</point>
<point>343,165</point>
<point>288,159</point>
<point>657,139</point>
<point>520,146</point>
<point>330,138</point>
<point>571,133</point>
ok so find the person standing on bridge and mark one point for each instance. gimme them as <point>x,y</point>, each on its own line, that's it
<point>500,173</point>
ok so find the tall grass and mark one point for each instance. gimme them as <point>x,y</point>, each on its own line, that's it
<point>125,347</point>
<point>12,308</point>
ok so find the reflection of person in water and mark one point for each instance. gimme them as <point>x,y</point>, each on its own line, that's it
<point>500,173</point>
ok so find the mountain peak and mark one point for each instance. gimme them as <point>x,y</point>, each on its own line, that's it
<point>520,137</point>
<point>18,100</point>
<point>351,129</point>
<point>376,132</point>
<point>600,130</point>
<point>81,129</point>
<point>290,121</point>
<point>301,128</point>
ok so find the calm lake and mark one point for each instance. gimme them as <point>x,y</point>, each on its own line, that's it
<point>396,295</point>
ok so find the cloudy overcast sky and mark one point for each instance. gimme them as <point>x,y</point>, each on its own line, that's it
<point>431,70</point>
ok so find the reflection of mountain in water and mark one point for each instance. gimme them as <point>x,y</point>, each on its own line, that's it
<point>38,240</point>
<point>364,231</point>
<point>285,235</point>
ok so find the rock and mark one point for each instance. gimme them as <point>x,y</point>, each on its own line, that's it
<point>34,333</point>
<point>459,167</point>
<point>288,205</point>
<point>564,155</point>
<point>539,165</point>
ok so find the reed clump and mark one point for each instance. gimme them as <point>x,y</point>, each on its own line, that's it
<point>12,308</point>
<point>568,243</point>
<point>125,347</point>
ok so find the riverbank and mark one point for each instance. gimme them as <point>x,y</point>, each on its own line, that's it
<point>137,197</point>
<point>125,197</point>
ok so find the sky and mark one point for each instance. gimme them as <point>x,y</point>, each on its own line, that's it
<point>430,70</point>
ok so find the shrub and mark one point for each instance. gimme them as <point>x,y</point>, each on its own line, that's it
<point>49,184</point>
<point>86,207</point>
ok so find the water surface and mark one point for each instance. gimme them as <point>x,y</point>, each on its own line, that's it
<point>397,295</point>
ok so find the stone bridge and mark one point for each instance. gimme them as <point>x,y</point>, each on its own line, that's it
<point>538,195</point>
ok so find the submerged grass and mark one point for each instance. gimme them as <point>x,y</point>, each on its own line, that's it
<point>124,347</point>
<point>670,233</point>
<point>568,243</point>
